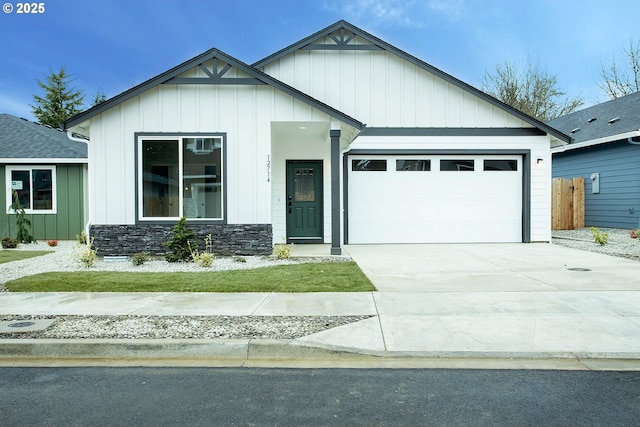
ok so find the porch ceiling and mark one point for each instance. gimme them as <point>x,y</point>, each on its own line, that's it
<point>301,129</point>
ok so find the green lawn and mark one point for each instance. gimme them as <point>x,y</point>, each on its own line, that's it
<point>9,255</point>
<point>312,277</point>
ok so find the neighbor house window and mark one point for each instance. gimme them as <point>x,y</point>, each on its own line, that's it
<point>35,187</point>
<point>181,177</point>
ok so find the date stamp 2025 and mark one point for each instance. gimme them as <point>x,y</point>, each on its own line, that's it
<point>24,8</point>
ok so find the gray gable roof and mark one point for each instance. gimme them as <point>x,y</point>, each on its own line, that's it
<point>342,25</point>
<point>171,76</point>
<point>615,117</point>
<point>23,139</point>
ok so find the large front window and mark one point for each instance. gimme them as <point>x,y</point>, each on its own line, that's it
<point>35,187</point>
<point>180,177</point>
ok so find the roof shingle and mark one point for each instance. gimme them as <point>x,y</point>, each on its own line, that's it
<point>23,139</point>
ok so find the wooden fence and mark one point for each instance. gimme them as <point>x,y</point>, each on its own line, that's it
<point>567,203</point>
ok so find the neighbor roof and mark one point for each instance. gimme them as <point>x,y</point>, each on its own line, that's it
<point>344,25</point>
<point>619,116</point>
<point>23,139</point>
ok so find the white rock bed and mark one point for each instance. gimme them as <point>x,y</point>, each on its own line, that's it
<point>619,243</point>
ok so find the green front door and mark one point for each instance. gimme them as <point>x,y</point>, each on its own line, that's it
<point>304,201</point>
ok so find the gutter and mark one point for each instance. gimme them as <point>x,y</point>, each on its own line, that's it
<point>606,139</point>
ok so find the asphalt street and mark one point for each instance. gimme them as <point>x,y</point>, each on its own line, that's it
<point>312,397</point>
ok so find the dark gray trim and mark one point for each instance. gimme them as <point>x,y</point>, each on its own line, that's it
<point>136,135</point>
<point>211,54</point>
<point>435,152</point>
<point>341,47</point>
<point>345,197</point>
<point>526,177</point>
<point>344,25</point>
<point>335,192</point>
<point>213,81</point>
<point>371,131</point>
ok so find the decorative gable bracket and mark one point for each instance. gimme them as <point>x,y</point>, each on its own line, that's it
<point>215,77</point>
<point>343,41</point>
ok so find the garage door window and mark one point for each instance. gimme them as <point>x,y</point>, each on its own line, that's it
<point>368,165</point>
<point>456,165</point>
<point>413,165</point>
<point>500,165</point>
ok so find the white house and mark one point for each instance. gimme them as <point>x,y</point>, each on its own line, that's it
<point>338,138</point>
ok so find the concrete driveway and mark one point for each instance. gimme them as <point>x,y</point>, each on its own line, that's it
<point>531,300</point>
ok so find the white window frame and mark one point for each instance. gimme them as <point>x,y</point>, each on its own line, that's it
<point>9,192</point>
<point>179,138</point>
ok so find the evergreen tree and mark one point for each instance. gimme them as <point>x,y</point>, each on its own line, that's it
<point>59,102</point>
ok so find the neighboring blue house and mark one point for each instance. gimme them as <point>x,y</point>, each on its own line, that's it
<point>605,151</point>
<point>48,170</point>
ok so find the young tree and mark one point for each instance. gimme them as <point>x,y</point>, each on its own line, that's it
<point>617,82</point>
<point>530,90</point>
<point>59,101</point>
<point>99,98</point>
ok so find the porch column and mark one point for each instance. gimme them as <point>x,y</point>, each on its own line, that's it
<point>335,192</point>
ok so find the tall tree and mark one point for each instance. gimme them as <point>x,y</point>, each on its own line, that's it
<point>59,101</point>
<point>530,90</point>
<point>617,82</point>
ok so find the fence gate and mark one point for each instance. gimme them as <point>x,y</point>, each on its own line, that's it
<point>567,203</point>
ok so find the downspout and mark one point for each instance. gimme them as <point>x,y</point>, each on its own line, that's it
<point>631,141</point>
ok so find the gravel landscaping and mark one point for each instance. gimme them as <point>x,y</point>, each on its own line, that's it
<point>619,243</point>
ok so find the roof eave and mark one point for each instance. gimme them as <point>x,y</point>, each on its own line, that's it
<point>598,141</point>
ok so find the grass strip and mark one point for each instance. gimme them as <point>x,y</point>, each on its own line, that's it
<point>9,255</point>
<point>311,277</point>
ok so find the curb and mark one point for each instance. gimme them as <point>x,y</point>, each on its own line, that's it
<point>279,353</point>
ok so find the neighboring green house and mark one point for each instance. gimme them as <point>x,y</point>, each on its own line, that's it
<point>49,172</point>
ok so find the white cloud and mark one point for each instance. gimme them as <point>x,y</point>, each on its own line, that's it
<point>402,13</point>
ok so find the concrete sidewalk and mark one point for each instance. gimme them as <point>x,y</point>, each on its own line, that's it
<point>506,305</point>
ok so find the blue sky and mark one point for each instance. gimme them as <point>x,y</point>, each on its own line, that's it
<point>112,45</point>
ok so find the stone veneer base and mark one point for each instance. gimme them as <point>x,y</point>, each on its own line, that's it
<point>228,239</point>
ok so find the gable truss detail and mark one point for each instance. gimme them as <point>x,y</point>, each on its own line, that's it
<point>342,42</point>
<point>215,77</point>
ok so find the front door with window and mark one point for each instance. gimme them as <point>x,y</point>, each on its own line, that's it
<point>304,201</point>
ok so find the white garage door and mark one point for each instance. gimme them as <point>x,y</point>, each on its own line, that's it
<point>435,199</point>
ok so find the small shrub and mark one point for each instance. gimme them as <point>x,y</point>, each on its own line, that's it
<point>22,222</point>
<point>599,236</point>
<point>282,250</point>
<point>82,238</point>
<point>85,254</point>
<point>180,243</point>
<point>52,243</point>
<point>204,259</point>
<point>239,259</point>
<point>139,258</point>
<point>9,243</point>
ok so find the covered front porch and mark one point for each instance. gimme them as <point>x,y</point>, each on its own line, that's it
<point>305,171</point>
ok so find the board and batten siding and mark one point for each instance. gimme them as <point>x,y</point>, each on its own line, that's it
<point>381,89</point>
<point>618,203</point>
<point>69,220</point>
<point>243,113</point>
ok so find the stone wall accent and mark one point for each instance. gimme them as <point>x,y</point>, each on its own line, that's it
<point>228,239</point>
